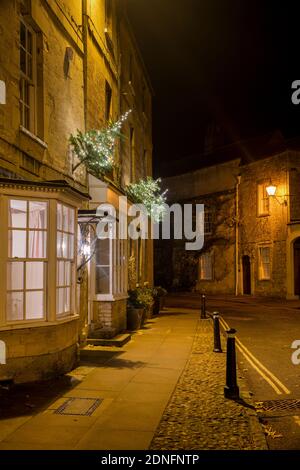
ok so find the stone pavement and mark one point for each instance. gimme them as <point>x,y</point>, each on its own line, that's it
<point>198,417</point>
<point>117,399</point>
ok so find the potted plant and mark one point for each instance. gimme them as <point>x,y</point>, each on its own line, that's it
<point>135,310</point>
<point>159,294</point>
<point>145,296</point>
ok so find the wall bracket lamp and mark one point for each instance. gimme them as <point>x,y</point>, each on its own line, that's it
<point>271,192</point>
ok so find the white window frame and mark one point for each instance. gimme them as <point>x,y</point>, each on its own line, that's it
<point>70,258</point>
<point>25,260</point>
<point>263,200</point>
<point>117,271</point>
<point>50,317</point>
<point>261,263</point>
<point>202,275</point>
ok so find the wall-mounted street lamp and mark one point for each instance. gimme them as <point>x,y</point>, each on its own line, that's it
<point>271,191</point>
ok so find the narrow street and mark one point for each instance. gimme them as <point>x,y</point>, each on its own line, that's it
<point>161,391</point>
<point>266,328</point>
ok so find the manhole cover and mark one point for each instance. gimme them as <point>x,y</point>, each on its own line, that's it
<point>79,406</point>
<point>277,405</point>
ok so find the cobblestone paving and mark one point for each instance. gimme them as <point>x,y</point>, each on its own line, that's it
<point>198,417</point>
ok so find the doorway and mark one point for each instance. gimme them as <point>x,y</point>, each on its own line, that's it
<point>297,266</point>
<point>246,275</point>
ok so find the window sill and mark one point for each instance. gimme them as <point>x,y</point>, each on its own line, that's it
<point>33,137</point>
<point>259,216</point>
<point>36,324</point>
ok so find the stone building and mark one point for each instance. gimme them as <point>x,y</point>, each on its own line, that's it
<point>62,68</point>
<point>251,193</point>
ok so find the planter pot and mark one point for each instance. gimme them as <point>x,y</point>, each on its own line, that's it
<point>147,314</point>
<point>161,302</point>
<point>156,306</point>
<point>134,318</point>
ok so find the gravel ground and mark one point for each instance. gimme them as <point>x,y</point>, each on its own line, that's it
<point>198,417</point>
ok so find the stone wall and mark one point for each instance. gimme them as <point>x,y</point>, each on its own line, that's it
<point>256,230</point>
<point>60,112</point>
<point>39,353</point>
<point>110,315</point>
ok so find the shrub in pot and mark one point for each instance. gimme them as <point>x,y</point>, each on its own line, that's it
<point>159,294</point>
<point>135,311</point>
<point>139,305</point>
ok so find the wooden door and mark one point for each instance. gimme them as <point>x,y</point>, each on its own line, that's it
<point>246,275</point>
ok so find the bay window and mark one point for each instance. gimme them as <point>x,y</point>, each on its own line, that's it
<point>40,260</point>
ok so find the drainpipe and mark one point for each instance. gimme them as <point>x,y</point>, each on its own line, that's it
<point>85,58</point>
<point>237,195</point>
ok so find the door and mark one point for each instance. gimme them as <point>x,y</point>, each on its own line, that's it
<point>297,266</point>
<point>246,275</point>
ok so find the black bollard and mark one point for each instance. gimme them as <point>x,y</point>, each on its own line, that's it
<point>217,337</point>
<point>203,307</point>
<point>231,390</point>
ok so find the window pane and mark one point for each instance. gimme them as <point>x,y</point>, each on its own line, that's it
<point>22,35</point>
<point>59,244</point>
<point>102,280</point>
<point>17,243</point>
<point>15,306</point>
<point>71,220</point>
<point>29,66</point>
<point>38,215</point>
<point>59,216</point>
<point>65,246</point>
<point>23,60</point>
<point>71,246</point>
<point>67,306</point>
<point>15,276</point>
<point>29,42</point>
<point>35,275</point>
<point>61,273</point>
<point>102,252</point>
<point>67,280</point>
<point>37,244</point>
<point>17,214</point>
<point>60,301</point>
<point>34,305</point>
<point>65,218</point>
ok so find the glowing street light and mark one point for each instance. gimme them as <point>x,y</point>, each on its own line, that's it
<point>271,190</point>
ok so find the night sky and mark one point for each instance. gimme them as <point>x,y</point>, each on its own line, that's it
<point>231,62</point>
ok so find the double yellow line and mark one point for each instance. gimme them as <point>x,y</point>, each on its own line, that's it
<point>265,373</point>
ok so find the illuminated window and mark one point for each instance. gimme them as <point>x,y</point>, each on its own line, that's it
<point>264,263</point>
<point>263,199</point>
<point>27,260</point>
<point>28,77</point>
<point>110,267</point>
<point>205,267</point>
<point>65,260</point>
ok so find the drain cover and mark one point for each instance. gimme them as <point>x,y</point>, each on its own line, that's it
<point>79,406</point>
<point>277,405</point>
